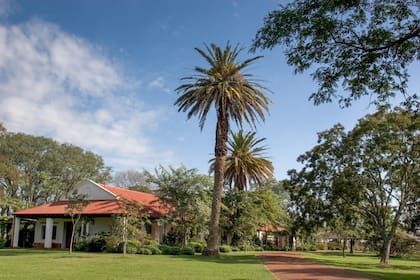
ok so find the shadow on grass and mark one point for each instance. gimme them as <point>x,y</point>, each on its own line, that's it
<point>26,251</point>
<point>223,259</point>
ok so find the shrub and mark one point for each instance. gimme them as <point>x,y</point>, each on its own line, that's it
<point>197,246</point>
<point>2,243</point>
<point>81,246</point>
<point>151,242</point>
<point>96,244</point>
<point>225,249</point>
<point>333,245</point>
<point>144,251</point>
<point>112,244</point>
<point>403,244</point>
<point>170,250</point>
<point>322,246</point>
<point>133,246</point>
<point>187,251</point>
<point>154,249</point>
<point>257,248</point>
<point>235,249</point>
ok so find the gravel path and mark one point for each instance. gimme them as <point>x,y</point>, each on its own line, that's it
<point>292,266</point>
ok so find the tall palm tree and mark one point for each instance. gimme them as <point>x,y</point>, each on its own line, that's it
<point>235,97</point>
<point>245,163</point>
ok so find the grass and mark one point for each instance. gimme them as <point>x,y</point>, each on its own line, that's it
<point>398,268</point>
<point>49,264</point>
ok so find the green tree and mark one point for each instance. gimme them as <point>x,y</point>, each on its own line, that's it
<point>129,224</point>
<point>245,162</point>
<point>371,171</point>
<point>77,202</point>
<point>235,97</point>
<point>38,169</point>
<point>244,212</point>
<point>387,145</point>
<point>364,45</point>
<point>186,193</point>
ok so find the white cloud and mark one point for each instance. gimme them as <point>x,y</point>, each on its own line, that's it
<point>159,83</point>
<point>61,86</point>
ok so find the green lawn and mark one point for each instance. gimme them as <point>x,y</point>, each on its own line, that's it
<point>39,264</point>
<point>399,268</point>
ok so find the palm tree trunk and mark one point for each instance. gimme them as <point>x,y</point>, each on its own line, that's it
<point>222,130</point>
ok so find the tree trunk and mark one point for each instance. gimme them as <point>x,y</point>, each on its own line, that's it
<point>352,242</point>
<point>344,247</point>
<point>222,129</point>
<point>125,238</point>
<point>385,251</point>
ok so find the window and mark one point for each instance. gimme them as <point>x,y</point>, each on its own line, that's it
<point>54,232</point>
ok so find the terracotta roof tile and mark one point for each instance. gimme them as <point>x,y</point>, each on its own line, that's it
<point>150,202</point>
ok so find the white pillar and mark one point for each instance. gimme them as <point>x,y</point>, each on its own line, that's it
<point>161,232</point>
<point>16,228</point>
<point>48,232</point>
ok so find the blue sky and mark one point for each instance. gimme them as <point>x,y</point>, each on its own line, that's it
<point>102,74</point>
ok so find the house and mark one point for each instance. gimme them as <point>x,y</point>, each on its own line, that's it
<point>53,227</point>
<point>276,235</point>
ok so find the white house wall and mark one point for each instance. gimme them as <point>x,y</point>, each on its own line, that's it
<point>60,234</point>
<point>100,225</point>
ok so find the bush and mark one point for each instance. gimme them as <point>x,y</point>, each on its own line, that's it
<point>154,249</point>
<point>133,246</point>
<point>197,246</point>
<point>187,251</point>
<point>322,246</point>
<point>333,245</point>
<point>82,246</point>
<point>170,250</point>
<point>2,243</point>
<point>225,249</point>
<point>404,244</point>
<point>144,251</point>
<point>112,244</point>
<point>257,248</point>
<point>96,244</point>
<point>235,249</point>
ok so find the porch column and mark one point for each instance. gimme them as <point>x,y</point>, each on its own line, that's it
<point>16,228</point>
<point>161,232</point>
<point>49,223</point>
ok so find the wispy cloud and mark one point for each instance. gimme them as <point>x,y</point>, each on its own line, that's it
<point>56,84</point>
<point>159,83</point>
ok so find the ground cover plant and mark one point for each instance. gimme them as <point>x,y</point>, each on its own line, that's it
<point>31,264</point>
<point>398,268</point>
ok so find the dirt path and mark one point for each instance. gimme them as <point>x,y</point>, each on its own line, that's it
<point>291,266</point>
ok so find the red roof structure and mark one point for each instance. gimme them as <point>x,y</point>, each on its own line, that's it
<point>150,202</point>
<point>271,228</point>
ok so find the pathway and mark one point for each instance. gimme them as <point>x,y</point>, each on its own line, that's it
<point>291,266</point>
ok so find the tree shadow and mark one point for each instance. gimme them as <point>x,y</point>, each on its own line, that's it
<point>222,259</point>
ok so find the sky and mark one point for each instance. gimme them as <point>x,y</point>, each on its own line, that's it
<point>102,74</point>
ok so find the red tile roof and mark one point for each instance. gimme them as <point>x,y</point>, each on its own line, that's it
<point>271,228</point>
<point>150,203</point>
<point>95,207</point>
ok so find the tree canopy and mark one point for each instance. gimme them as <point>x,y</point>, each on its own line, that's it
<point>372,171</point>
<point>364,46</point>
<point>35,170</point>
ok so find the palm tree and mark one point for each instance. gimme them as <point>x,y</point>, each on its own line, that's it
<point>235,97</point>
<point>245,163</point>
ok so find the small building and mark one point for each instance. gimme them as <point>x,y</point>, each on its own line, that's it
<point>53,226</point>
<point>275,235</point>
